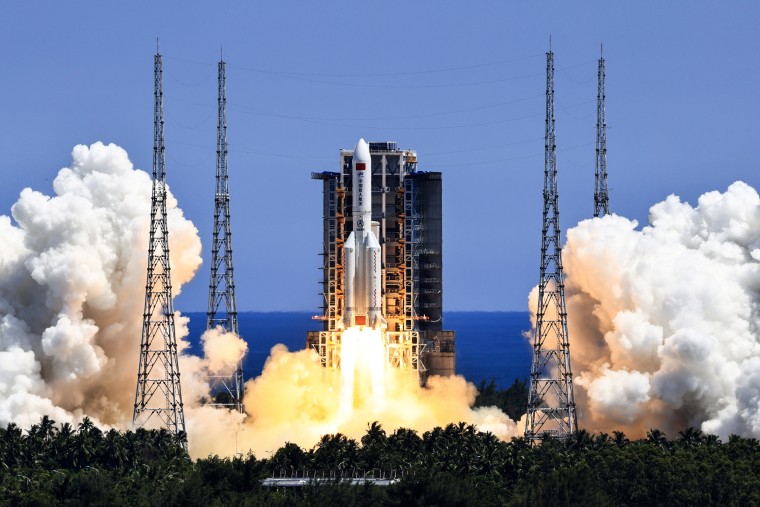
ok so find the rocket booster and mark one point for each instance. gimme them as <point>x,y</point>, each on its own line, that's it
<point>361,251</point>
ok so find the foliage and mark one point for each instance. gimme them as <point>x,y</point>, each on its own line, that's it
<point>457,465</point>
<point>513,401</point>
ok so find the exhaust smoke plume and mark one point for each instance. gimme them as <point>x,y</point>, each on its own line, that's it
<point>72,282</point>
<point>664,320</point>
<point>297,400</point>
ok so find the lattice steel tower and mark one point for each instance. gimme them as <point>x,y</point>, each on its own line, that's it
<point>551,401</point>
<point>222,286</point>
<point>158,393</point>
<point>601,196</point>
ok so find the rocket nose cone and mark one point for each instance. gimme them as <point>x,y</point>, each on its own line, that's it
<point>361,152</point>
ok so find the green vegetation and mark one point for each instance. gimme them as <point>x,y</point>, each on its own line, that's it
<point>513,401</point>
<point>456,465</point>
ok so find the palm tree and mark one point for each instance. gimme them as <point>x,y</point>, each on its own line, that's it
<point>518,455</point>
<point>602,440</point>
<point>336,451</point>
<point>494,457</point>
<point>690,437</point>
<point>712,440</point>
<point>374,446</point>
<point>65,431</point>
<point>404,448</point>
<point>63,445</point>
<point>113,452</point>
<point>619,438</point>
<point>86,425</point>
<point>47,428</point>
<point>657,438</point>
<point>582,440</point>
<point>12,445</point>
<point>86,442</point>
<point>290,456</point>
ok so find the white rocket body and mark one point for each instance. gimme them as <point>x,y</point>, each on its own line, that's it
<point>361,251</point>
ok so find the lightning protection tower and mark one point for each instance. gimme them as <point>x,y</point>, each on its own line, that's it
<point>222,286</point>
<point>601,197</point>
<point>158,394</point>
<point>551,401</point>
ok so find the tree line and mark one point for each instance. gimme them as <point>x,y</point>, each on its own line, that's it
<point>54,464</point>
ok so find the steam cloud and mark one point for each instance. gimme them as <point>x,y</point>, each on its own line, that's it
<point>297,400</point>
<point>664,320</point>
<point>72,273</point>
<point>72,279</point>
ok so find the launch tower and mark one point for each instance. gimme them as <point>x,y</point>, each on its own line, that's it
<point>551,400</point>
<point>601,197</point>
<point>222,308</point>
<point>158,394</point>
<point>406,206</point>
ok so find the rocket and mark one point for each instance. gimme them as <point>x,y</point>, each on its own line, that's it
<point>361,251</point>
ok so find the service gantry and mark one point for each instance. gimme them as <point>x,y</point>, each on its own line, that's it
<point>601,196</point>
<point>158,392</point>
<point>551,400</point>
<point>227,386</point>
<point>407,206</point>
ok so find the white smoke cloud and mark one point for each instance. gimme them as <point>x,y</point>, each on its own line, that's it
<point>72,278</point>
<point>222,351</point>
<point>664,320</point>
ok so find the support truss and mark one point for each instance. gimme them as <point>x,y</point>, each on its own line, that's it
<point>551,400</point>
<point>158,397</point>
<point>222,308</point>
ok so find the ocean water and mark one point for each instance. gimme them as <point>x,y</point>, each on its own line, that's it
<point>488,344</point>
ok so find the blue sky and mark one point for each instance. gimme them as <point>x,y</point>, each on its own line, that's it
<point>462,83</point>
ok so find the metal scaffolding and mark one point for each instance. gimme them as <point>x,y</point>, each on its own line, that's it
<point>228,387</point>
<point>327,342</point>
<point>551,400</point>
<point>601,196</point>
<point>412,242</point>
<point>158,370</point>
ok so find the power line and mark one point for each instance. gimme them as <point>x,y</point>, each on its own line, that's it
<point>308,77</point>
<point>501,161</point>
<point>483,148</point>
<point>372,74</point>
<point>242,108</point>
<point>231,149</point>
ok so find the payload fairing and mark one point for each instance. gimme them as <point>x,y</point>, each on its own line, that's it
<point>361,250</point>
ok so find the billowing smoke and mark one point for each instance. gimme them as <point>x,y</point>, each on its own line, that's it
<point>664,320</point>
<point>72,282</point>
<point>223,351</point>
<point>297,400</point>
<point>72,278</point>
